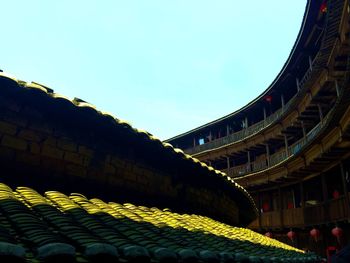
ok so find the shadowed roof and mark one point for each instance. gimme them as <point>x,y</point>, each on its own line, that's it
<point>55,225</point>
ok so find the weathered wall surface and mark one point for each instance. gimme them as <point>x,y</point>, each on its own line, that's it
<point>45,142</point>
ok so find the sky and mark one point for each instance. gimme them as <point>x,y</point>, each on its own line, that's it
<point>165,66</point>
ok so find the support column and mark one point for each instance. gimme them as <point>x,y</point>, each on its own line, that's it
<point>302,196</point>
<point>320,112</point>
<point>259,208</point>
<point>227,130</point>
<point>267,155</point>
<point>210,136</point>
<point>249,163</point>
<point>194,142</point>
<point>298,84</point>
<point>345,189</point>
<point>228,162</point>
<point>246,122</point>
<point>324,188</point>
<point>282,102</point>
<point>280,206</point>
<point>325,198</point>
<point>286,145</point>
<point>264,114</point>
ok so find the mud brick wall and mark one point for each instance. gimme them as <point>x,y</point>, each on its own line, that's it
<point>49,144</point>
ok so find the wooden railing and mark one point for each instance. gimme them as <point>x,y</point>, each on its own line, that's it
<point>293,217</point>
<point>315,214</point>
<point>279,156</point>
<point>238,170</point>
<point>325,212</point>
<point>337,209</point>
<point>240,135</point>
<point>317,62</point>
<point>259,165</point>
<point>271,219</point>
<point>256,127</point>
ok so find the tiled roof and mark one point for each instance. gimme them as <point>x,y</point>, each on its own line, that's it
<point>54,227</point>
<point>44,95</point>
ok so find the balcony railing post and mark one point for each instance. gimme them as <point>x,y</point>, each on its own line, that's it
<point>249,163</point>
<point>320,112</point>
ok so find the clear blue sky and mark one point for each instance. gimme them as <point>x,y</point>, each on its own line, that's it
<point>166,66</point>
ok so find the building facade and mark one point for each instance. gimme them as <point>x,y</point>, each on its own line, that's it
<point>290,147</point>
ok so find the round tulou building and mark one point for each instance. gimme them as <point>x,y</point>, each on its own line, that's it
<point>79,185</point>
<point>290,147</point>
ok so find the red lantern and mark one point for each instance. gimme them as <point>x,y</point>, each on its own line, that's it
<point>315,233</point>
<point>291,235</point>
<point>336,194</point>
<point>268,98</point>
<point>268,234</point>
<point>323,7</point>
<point>337,232</point>
<point>266,207</point>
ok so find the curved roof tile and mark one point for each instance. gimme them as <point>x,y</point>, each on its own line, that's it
<point>78,104</point>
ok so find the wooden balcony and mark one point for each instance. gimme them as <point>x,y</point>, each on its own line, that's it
<point>293,217</point>
<point>279,156</point>
<point>327,212</point>
<point>242,134</point>
<point>337,209</point>
<point>256,127</point>
<point>271,218</point>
